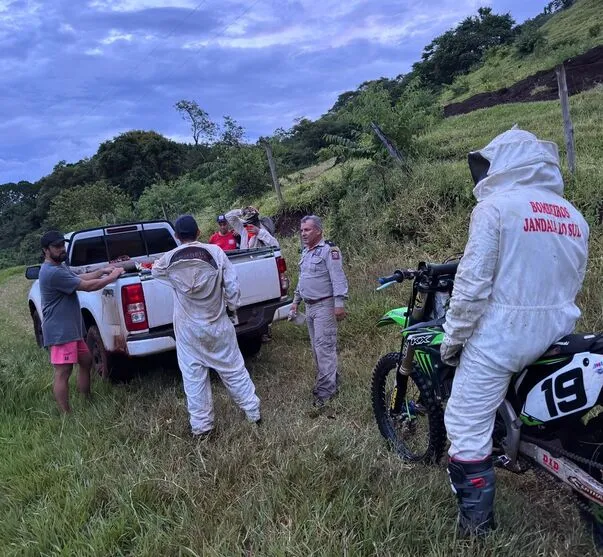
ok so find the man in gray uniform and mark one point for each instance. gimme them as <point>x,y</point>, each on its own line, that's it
<point>323,287</point>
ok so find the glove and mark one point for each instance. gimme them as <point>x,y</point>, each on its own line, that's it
<point>450,353</point>
<point>292,315</point>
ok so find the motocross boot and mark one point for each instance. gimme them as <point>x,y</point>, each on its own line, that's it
<point>473,484</point>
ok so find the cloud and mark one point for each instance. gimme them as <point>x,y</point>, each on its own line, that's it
<point>77,73</point>
<point>115,36</point>
<point>140,5</point>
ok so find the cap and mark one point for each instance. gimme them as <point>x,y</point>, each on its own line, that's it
<point>250,215</point>
<point>221,218</point>
<point>52,237</point>
<point>186,225</point>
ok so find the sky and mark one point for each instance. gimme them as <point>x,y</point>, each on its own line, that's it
<point>76,73</point>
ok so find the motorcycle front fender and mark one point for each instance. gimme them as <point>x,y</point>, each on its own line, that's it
<point>396,316</point>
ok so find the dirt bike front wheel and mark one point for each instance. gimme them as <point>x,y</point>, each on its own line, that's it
<point>413,424</point>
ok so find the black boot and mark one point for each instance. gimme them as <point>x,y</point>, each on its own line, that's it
<point>473,483</point>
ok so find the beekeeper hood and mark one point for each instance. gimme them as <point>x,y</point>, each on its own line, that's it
<point>514,159</point>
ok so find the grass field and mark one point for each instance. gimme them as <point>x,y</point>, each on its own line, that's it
<point>122,476</point>
<point>567,33</point>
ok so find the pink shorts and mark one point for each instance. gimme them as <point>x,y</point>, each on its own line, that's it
<point>67,353</point>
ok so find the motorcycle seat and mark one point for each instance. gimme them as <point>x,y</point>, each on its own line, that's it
<point>575,343</point>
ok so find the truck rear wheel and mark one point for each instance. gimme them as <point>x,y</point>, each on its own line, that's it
<point>250,345</point>
<point>101,360</point>
<point>37,325</point>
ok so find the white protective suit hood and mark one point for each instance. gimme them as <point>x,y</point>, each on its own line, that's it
<point>203,280</point>
<point>519,159</point>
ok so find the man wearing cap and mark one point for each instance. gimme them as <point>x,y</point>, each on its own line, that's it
<point>323,287</point>
<point>62,328</point>
<point>246,222</point>
<point>225,237</point>
<point>205,284</point>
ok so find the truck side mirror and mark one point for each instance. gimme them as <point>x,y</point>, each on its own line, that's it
<point>32,272</point>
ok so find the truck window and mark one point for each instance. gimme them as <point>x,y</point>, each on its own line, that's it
<point>88,251</point>
<point>127,243</point>
<point>159,240</point>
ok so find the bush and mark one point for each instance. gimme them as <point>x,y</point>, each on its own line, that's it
<point>89,206</point>
<point>459,86</point>
<point>594,30</point>
<point>170,199</point>
<point>529,40</point>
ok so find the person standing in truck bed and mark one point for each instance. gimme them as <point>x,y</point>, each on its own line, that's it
<point>246,222</point>
<point>224,237</point>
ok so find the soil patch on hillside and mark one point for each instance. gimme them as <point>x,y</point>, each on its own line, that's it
<point>583,72</point>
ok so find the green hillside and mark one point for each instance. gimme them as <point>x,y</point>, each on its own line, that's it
<point>566,34</point>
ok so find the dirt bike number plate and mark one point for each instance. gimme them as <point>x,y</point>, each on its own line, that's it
<point>574,387</point>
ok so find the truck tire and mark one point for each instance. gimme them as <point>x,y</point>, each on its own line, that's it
<point>250,345</point>
<point>37,325</point>
<point>102,363</point>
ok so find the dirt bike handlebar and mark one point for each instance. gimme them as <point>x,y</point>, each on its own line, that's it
<point>398,276</point>
<point>436,270</point>
<point>425,269</point>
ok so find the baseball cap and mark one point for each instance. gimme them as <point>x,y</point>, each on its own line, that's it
<point>186,225</point>
<point>221,218</point>
<point>52,237</point>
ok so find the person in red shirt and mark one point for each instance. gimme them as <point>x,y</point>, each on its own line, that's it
<point>225,237</point>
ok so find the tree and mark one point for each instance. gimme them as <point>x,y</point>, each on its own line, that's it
<point>201,125</point>
<point>458,50</point>
<point>170,199</point>
<point>12,194</point>
<point>558,5</point>
<point>298,147</point>
<point>232,132</point>
<point>91,205</point>
<point>17,212</point>
<point>136,159</point>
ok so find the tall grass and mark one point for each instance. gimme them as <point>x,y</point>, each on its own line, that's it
<point>122,476</point>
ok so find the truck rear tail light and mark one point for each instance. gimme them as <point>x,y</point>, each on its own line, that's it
<point>135,311</point>
<point>281,265</point>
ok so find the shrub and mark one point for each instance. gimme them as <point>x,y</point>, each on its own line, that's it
<point>529,40</point>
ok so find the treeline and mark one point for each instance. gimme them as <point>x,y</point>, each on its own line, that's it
<point>143,175</point>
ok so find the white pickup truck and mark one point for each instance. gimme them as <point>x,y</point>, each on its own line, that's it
<point>132,317</point>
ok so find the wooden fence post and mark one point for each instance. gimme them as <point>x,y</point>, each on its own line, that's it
<point>391,148</point>
<point>277,185</point>
<point>568,127</point>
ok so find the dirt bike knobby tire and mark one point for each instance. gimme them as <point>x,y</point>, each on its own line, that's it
<point>434,413</point>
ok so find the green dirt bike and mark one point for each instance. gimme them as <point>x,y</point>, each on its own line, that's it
<point>548,419</point>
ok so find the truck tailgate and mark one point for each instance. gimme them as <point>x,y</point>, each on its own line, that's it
<point>159,301</point>
<point>258,278</point>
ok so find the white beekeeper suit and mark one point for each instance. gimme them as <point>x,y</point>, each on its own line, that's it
<point>205,283</point>
<point>236,219</point>
<point>516,285</point>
